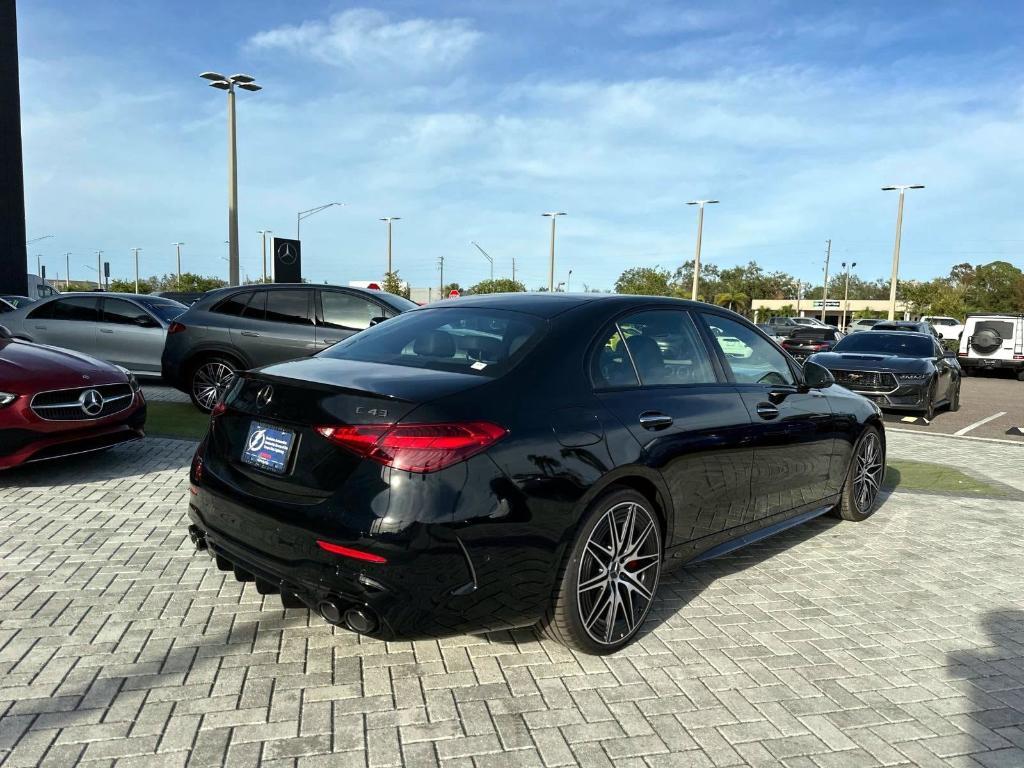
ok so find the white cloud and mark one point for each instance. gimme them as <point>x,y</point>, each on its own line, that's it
<point>368,40</point>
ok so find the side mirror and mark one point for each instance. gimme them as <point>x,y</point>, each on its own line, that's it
<point>817,376</point>
<point>376,320</point>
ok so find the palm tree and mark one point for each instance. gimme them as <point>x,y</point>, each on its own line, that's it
<point>732,299</point>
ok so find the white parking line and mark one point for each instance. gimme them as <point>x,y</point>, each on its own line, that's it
<point>986,420</point>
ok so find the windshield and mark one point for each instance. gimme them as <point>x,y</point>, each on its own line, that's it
<point>902,344</point>
<point>485,342</point>
<point>164,309</point>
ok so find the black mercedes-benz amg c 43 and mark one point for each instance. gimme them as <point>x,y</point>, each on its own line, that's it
<point>502,461</point>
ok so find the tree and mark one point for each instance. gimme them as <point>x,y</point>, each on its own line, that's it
<point>732,299</point>
<point>394,285</point>
<point>645,281</point>
<point>498,285</point>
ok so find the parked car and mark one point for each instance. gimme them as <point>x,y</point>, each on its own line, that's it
<point>948,328</point>
<point>899,370</point>
<point>122,328</point>
<point>188,298</point>
<point>231,329</point>
<point>56,403</point>
<point>805,342</point>
<point>911,326</point>
<point>784,326</point>
<point>38,288</point>
<point>993,341</point>
<point>399,485</point>
<point>863,324</point>
<point>16,301</point>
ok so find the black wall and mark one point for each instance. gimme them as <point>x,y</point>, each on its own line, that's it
<point>12,180</point>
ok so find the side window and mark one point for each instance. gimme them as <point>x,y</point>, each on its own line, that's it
<point>233,305</point>
<point>347,311</point>
<point>43,311</point>
<point>80,308</point>
<point>256,308</point>
<point>937,349</point>
<point>290,307</point>
<point>125,313</point>
<point>663,346</point>
<point>752,359</point>
<point>610,366</point>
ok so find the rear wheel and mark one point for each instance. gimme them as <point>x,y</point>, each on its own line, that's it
<point>210,378</point>
<point>954,401</point>
<point>1020,375</point>
<point>863,479</point>
<point>606,585</point>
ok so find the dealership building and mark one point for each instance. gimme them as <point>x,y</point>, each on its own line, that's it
<point>765,308</point>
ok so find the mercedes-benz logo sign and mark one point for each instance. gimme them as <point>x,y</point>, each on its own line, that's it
<point>264,396</point>
<point>91,402</point>
<point>286,254</point>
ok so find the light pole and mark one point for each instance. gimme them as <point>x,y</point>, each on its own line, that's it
<point>99,269</point>
<point>177,247</point>
<point>896,248</point>
<point>551,265</point>
<point>37,239</point>
<point>67,271</point>
<point>264,233</point>
<point>486,256</point>
<point>568,282</point>
<point>700,232</point>
<point>846,293</point>
<point>824,290</point>
<point>388,220</point>
<point>135,251</point>
<point>306,214</point>
<point>39,266</point>
<point>246,83</point>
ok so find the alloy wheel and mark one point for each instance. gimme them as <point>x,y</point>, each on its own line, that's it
<point>210,381</point>
<point>867,477</point>
<point>618,573</point>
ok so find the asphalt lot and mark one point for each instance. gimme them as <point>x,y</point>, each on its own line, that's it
<point>898,641</point>
<point>989,406</point>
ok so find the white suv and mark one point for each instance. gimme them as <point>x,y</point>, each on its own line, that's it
<point>993,341</point>
<point>948,327</point>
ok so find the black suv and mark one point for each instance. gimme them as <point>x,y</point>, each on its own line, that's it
<point>242,327</point>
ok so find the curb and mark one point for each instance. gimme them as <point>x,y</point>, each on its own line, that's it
<point>957,437</point>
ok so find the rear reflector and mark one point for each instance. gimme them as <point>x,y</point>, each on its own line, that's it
<point>416,447</point>
<point>355,554</point>
<point>175,327</point>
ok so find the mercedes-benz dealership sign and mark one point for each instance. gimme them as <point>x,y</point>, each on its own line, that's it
<point>287,260</point>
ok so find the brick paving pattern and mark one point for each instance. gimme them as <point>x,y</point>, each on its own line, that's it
<point>898,641</point>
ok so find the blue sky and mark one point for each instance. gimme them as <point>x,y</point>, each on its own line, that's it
<point>468,119</point>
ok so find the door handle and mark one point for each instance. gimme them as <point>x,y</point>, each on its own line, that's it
<point>655,420</point>
<point>106,330</point>
<point>40,327</point>
<point>767,411</point>
<point>250,333</point>
<point>329,341</point>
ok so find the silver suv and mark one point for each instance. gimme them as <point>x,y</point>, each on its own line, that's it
<point>244,327</point>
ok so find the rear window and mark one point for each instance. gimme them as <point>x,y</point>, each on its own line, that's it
<point>166,310</point>
<point>882,343</point>
<point>478,341</point>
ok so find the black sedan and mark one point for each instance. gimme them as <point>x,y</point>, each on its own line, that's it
<point>804,342</point>
<point>899,370</point>
<point>510,460</point>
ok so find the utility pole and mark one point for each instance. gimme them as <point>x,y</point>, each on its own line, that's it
<point>799,295</point>
<point>700,231</point>
<point>67,271</point>
<point>264,233</point>
<point>39,266</point>
<point>99,270</point>
<point>440,266</point>
<point>824,290</point>
<point>846,293</point>
<point>551,266</point>
<point>513,269</point>
<point>896,248</point>
<point>178,248</point>
<point>388,220</point>
<point>135,251</point>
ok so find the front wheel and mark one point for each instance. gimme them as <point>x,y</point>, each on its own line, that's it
<point>607,582</point>
<point>210,379</point>
<point>929,411</point>
<point>863,479</point>
<point>954,401</point>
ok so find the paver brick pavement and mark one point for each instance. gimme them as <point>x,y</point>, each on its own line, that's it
<point>896,641</point>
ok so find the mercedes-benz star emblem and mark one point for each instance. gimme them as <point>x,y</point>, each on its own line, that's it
<point>91,402</point>
<point>264,396</point>
<point>286,253</point>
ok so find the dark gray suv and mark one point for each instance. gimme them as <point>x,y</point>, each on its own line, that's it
<point>244,327</point>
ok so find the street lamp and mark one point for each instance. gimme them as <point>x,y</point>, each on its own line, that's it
<point>246,83</point>
<point>700,231</point>
<point>264,233</point>
<point>37,239</point>
<point>486,255</point>
<point>388,220</point>
<point>568,282</point>
<point>67,271</point>
<point>177,247</point>
<point>551,265</point>
<point>902,188</point>
<point>306,214</point>
<point>135,251</point>
<point>846,293</point>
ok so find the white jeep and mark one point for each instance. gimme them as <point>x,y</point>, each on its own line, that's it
<point>993,341</point>
<point>948,327</point>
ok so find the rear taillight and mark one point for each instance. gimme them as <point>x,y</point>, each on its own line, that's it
<point>218,409</point>
<point>175,327</point>
<point>416,447</point>
<point>355,554</point>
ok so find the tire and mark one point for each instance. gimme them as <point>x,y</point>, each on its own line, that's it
<point>954,401</point>
<point>929,410</point>
<point>616,557</point>
<point>1020,375</point>
<point>860,491</point>
<point>208,378</point>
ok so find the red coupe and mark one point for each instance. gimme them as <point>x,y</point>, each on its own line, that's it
<point>54,402</point>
